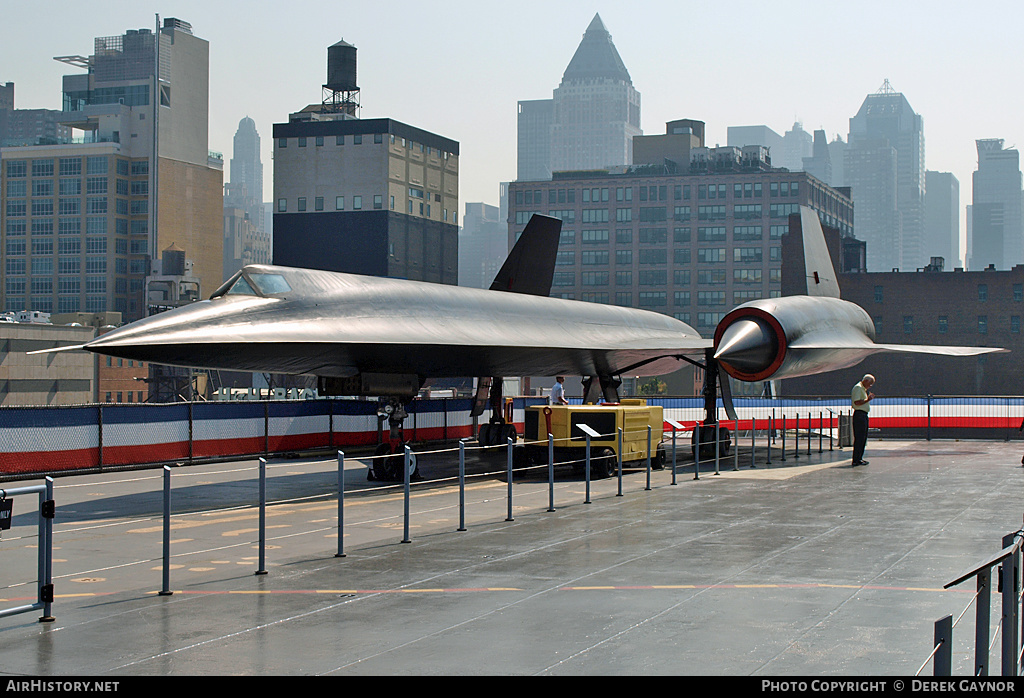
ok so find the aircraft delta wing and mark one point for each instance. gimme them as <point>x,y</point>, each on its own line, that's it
<point>794,336</point>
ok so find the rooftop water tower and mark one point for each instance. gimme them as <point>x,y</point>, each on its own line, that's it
<point>341,94</point>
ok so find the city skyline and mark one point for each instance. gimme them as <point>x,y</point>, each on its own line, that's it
<point>821,62</point>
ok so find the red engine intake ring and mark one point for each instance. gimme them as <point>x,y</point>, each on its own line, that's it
<point>776,328</point>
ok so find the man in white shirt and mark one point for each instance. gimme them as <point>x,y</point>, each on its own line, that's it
<point>861,399</point>
<point>558,392</point>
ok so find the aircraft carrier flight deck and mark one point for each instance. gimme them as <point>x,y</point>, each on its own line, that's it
<point>805,567</point>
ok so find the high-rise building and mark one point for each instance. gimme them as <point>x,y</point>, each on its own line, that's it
<point>367,196</point>
<point>740,136</point>
<point>483,245</point>
<point>28,126</point>
<point>245,185</point>
<point>246,240</point>
<point>797,144</point>
<point>837,154</point>
<point>884,168</point>
<point>819,163</point>
<point>997,229</point>
<point>85,224</point>
<point>942,218</point>
<point>534,142</point>
<point>591,119</point>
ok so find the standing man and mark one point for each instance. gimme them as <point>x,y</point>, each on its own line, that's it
<point>558,392</point>
<point>861,399</point>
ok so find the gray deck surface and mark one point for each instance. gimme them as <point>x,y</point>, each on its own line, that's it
<point>806,568</point>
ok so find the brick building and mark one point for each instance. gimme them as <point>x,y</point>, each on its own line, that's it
<point>927,306</point>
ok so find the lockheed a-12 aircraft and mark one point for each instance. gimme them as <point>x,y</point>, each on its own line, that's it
<point>372,336</point>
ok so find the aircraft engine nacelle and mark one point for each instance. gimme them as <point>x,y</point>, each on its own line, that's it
<point>792,336</point>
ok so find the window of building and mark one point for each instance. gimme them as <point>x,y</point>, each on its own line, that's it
<point>357,202</point>
<point>878,294</point>
<point>302,141</point>
<point>339,203</point>
<point>943,324</point>
<point>378,199</point>
<point>1015,324</point>
<point>983,324</point>
<point>318,203</point>
<point>282,205</point>
<point>982,292</point>
<point>302,203</point>
<point>908,324</point>
<point>653,299</point>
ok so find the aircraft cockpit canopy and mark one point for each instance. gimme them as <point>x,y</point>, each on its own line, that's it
<point>253,284</point>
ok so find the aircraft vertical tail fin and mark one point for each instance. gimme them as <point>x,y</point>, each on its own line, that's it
<point>821,275</point>
<point>530,266</point>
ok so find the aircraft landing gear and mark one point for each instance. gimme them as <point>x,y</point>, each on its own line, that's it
<point>497,434</point>
<point>499,428</point>
<point>390,469</point>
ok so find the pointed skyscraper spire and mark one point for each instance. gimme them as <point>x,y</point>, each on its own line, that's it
<point>596,56</point>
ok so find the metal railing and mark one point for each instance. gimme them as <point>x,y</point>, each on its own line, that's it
<point>1007,574</point>
<point>44,554</point>
<point>98,437</point>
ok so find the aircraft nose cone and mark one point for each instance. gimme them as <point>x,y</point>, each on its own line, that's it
<point>748,345</point>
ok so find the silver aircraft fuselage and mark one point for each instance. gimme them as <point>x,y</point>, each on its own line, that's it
<point>303,321</point>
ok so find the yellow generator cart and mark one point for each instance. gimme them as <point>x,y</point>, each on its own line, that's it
<point>570,442</point>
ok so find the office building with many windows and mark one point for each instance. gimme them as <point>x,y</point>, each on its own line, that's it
<point>995,214</point>
<point>689,242</point>
<point>365,196</point>
<point>84,222</point>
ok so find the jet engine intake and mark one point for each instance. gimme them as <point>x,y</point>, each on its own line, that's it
<point>750,344</point>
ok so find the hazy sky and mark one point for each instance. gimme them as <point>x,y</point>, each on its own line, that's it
<point>458,68</point>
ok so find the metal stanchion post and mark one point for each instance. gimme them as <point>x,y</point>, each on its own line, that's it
<point>783,437</point>
<point>648,487</point>
<point>551,472</point>
<point>47,510</point>
<point>796,437</point>
<point>508,478</point>
<point>263,518</point>
<point>675,426</point>
<point>619,456</point>
<point>341,505</point>
<point>696,452</point>
<point>165,589</point>
<point>753,443</point>
<point>405,476</point>
<point>462,485</point>
<point>736,444</point>
<point>586,472</point>
<point>718,436</point>
<point>768,441</point>
<point>821,430</point>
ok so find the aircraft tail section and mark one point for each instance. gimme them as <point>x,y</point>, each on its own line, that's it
<point>530,266</point>
<point>821,275</point>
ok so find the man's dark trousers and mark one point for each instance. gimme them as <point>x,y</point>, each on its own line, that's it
<point>860,434</point>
